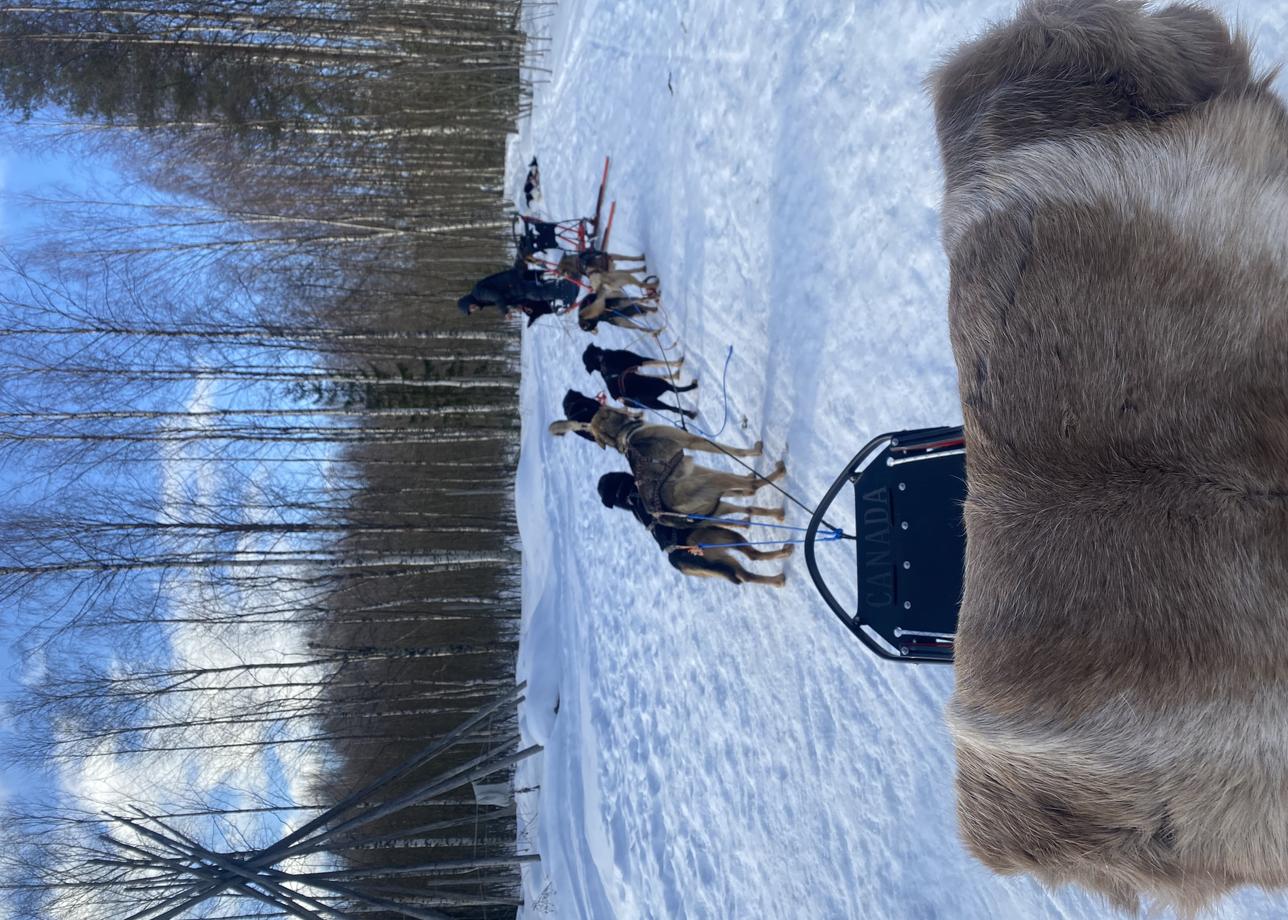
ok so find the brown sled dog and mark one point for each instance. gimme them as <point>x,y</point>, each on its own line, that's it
<point>702,548</point>
<point>1116,220</point>
<point>616,311</point>
<point>576,264</point>
<point>671,485</point>
<point>615,282</point>
<point>609,302</point>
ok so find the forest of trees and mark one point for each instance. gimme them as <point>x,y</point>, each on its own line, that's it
<point>257,546</point>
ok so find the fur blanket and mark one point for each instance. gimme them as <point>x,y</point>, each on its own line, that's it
<point>1116,220</point>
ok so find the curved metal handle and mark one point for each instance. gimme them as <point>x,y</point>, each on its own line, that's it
<point>811,534</point>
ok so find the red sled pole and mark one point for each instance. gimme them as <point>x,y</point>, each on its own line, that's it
<point>599,201</point>
<point>608,228</point>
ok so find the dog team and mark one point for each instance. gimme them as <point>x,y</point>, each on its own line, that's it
<point>681,503</point>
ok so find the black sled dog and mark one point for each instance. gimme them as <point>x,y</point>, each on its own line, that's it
<point>620,370</point>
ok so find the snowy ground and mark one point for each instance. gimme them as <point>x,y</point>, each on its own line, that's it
<point>729,752</point>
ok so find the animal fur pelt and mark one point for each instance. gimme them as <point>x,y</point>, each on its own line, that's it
<point>1116,221</point>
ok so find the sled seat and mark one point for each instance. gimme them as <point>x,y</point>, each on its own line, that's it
<point>909,543</point>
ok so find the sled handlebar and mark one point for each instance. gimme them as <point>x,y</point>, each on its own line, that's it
<point>849,475</point>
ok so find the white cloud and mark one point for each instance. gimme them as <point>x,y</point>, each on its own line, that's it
<point>241,775</point>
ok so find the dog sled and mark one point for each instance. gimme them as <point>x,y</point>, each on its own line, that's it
<point>532,235</point>
<point>582,241</point>
<point>579,234</point>
<point>909,541</point>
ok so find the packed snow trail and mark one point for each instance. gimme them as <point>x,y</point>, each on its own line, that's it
<point>720,751</point>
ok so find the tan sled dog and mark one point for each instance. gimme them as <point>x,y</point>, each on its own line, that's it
<point>575,264</point>
<point>1116,220</point>
<point>701,549</point>
<point>616,311</point>
<point>670,483</point>
<point>615,283</point>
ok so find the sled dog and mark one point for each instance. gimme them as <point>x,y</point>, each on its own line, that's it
<point>615,283</point>
<point>613,362</point>
<point>670,483</point>
<point>576,264</point>
<point>616,311</point>
<point>698,549</point>
<point>620,371</point>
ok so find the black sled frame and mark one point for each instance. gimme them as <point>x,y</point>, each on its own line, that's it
<point>910,543</point>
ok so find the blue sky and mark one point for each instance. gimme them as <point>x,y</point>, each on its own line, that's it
<point>26,170</point>
<point>30,166</point>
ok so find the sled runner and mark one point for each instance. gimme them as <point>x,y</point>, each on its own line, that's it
<point>910,543</point>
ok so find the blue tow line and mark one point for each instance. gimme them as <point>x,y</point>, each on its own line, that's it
<point>836,533</point>
<point>724,390</point>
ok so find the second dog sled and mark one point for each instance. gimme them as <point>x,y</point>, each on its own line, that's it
<point>910,543</point>
<point>579,234</point>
